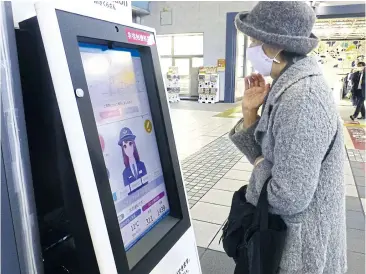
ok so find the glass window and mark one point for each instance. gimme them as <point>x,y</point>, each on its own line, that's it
<point>239,71</point>
<point>197,62</point>
<point>188,44</point>
<point>164,44</point>
<point>165,63</point>
<point>183,66</point>
<point>249,69</point>
<point>184,51</point>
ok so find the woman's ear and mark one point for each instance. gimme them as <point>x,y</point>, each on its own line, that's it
<point>273,52</point>
<point>280,57</point>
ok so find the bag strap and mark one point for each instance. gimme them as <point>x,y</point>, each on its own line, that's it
<point>261,214</point>
<point>263,207</point>
<point>241,267</point>
<point>330,146</point>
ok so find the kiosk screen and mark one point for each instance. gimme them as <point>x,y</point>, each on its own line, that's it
<point>126,132</point>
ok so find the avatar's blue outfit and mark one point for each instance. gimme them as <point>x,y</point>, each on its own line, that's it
<point>130,176</point>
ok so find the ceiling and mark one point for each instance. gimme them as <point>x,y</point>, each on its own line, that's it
<point>338,3</point>
<point>341,28</point>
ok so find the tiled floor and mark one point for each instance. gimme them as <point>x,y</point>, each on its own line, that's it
<point>213,169</point>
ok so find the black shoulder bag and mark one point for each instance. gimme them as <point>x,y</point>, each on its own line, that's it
<point>252,236</point>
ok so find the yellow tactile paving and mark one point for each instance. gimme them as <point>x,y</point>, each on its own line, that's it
<point>230,113</point>
<point>235,112</point>
<point>355,125</point>
<point>347,139</point>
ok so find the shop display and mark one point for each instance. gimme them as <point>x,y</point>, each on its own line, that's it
<point>338,60</point>
<point>341,55</point>
<point>126,133</point>
<point>208,85</point>
<point>173,84</point>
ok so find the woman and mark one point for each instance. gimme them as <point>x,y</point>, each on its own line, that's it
<point>298,138</point>
<point>134,168</point>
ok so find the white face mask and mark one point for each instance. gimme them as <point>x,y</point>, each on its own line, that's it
<point>260,61</point>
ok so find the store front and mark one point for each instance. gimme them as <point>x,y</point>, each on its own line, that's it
<point>342,46</point>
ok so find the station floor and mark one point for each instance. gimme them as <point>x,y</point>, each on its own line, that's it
<point>213,169</point>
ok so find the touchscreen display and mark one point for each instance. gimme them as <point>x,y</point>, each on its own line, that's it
<point>126,132</point>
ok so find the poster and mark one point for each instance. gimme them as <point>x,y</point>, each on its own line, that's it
<point>207,70</point>
<point>221,65</point>
<point>126,133</point>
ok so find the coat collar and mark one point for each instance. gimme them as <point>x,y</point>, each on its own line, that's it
<point>301,69</point>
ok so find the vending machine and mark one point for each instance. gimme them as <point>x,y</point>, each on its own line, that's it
<point>208,85</point>
<point>173,84</point>
<point>108,187</point>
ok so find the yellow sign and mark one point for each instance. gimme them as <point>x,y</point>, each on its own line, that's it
<point>221,65</point>
<point>207,70</point>
<point>148,126</point>
<point>173,70</point>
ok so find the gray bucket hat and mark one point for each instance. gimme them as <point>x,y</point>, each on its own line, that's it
<point>286,24</point>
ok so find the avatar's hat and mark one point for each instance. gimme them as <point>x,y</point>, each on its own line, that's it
<point>125,135</point>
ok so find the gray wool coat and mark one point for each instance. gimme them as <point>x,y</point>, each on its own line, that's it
<point>296,128</point>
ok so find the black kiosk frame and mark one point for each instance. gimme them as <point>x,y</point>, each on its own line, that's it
<point>52,168</point>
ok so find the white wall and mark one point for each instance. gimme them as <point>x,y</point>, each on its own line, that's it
<point>199,16</point>
<point>22,10</point>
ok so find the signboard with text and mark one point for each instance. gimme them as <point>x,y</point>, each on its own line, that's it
<point>140,37</point>
<point>112,11</point>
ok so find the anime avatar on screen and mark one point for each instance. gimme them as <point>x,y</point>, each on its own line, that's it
<point>135,169</point>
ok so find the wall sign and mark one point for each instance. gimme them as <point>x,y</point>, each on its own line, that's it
<point>112,11</point>
<point>113,5</point>
<point>221,65</point>
<point>166,17</point>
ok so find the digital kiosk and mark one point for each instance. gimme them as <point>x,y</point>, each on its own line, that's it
<point>108,185</point>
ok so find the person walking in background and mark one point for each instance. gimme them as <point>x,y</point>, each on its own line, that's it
<point>358,89</point>
<point>298,139</point>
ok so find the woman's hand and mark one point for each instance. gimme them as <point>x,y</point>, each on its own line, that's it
<point>255,91</point>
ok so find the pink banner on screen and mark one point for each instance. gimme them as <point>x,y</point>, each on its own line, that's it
<point>140,37</point>
<point>153,201</point>
<point>109,114</point>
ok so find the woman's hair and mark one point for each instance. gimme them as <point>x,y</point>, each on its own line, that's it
<point>290,56</point>
<point>135,154</point>
<point>361,64</point>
